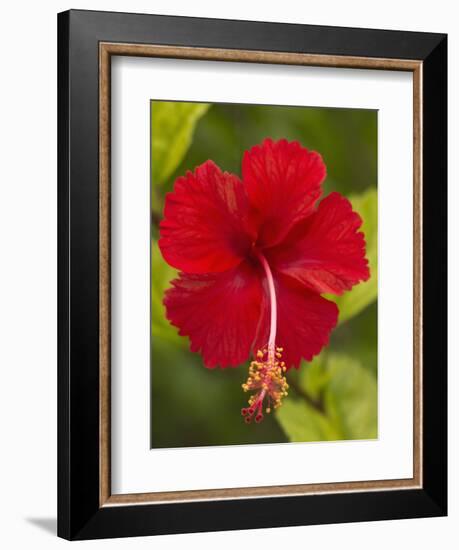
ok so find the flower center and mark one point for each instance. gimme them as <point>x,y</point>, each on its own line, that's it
<point>266,376</point>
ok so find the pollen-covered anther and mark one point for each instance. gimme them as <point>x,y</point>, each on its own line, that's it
<point>266,379</point>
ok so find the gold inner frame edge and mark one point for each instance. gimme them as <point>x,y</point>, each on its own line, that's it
<point>106,50</point>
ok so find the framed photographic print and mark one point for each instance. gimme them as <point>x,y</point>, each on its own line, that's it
<point>252,274</point>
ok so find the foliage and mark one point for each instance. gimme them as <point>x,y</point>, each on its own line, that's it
<point>334,398</point>
<point>172,127</point>
<point>161,275</point>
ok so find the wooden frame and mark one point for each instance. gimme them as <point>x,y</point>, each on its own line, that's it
<point>90,510</point>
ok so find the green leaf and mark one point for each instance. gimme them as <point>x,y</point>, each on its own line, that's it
<point>351,397</point>
<point>345,394</point>
<point>353,302</point>
<point>172,127</point>
<point>302,423</point>
<point>313,376</point>
<point>161,276</point>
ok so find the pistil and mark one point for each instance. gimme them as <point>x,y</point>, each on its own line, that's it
<point>272,305</point>
<point>266,376</point>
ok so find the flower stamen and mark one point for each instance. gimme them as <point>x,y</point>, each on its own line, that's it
<point>267,380</point>
<point>266,372</point>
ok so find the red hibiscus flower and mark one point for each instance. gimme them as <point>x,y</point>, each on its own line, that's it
<point>255,255</point>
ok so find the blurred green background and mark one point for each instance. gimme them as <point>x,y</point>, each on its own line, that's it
<point>335,396</point>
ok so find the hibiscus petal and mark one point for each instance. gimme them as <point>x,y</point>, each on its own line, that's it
<point>219,312</point>
<point>326,252</point>
<point>304,321</point>
<point>206,223</point>
<point>283,182</point>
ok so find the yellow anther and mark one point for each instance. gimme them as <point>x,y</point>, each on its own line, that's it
<point>267,381</point>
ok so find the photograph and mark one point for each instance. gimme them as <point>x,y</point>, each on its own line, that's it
<point>264,275</point>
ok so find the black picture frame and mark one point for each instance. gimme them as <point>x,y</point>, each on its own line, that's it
<point>80,515</point>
